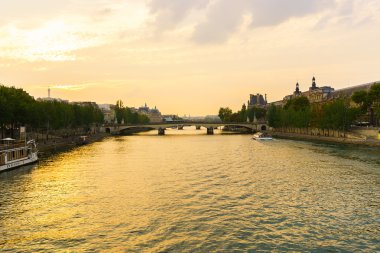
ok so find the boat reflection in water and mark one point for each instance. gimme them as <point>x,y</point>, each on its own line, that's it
<point>262,137</point>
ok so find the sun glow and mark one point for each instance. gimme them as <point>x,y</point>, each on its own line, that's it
<point>55,41</point>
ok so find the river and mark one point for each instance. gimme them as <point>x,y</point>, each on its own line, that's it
<point>190,192</point>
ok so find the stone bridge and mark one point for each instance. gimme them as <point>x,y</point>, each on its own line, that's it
<point>160,127</point>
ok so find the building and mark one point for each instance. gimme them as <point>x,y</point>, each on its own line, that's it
<point>108,111</point>
<point>315,94</point>
<point>257,100</point>
<point>323,94</point>
<point>154,114</point>
<point>349,91</point>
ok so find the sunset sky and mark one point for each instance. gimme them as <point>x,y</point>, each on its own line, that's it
<point>186,57</point>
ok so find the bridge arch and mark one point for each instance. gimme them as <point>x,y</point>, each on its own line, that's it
<point>130,129</point>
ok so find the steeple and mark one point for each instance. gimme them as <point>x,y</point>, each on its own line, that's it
<point>297,92</point>
<point>313,85</point>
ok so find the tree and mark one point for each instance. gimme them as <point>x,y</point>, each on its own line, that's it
<point>362,99</point>
<point>374,93</point>
<point>225,114</point>
<point>337,115</point>
<point>274,116</point>
<point>257,112</point>
<point>119,111</point>
<point>298,103</point>
<point>243,113</point>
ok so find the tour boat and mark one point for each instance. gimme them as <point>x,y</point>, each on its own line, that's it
<point>262,137</point>
<point>15,153</point>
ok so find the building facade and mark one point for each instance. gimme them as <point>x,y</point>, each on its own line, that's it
<point>154,114</point>
<point>108,111</point>
<point>315,94</point>
<point>257,100</point>
<point>323,94</point>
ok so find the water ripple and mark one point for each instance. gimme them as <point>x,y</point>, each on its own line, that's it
<point>195,193</point>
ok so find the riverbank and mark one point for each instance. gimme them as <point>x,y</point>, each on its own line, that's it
<point>338,140</point>
<point>54,145</point>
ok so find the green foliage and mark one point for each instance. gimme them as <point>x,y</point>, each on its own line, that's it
<point>274,116</point>
<point>253,112</point>
<point>361,98</point>
<point>298,104</point>
<point>369,99</point>
<point>119,111</point>
<point>296,113</point>
<point>337,115</point>
<point>225,114</point>
<point>374,93</point>
<point>129,117</point>
<point>18,108</point>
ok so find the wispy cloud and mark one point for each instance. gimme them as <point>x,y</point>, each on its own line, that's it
<point>223,17</point>
<point>56,38</point>
<point>169,14</point>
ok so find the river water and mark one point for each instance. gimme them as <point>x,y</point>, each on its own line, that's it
<point>189,192</point>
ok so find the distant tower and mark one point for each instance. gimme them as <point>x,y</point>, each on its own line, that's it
<point>266,101</point>
<point>313,85</point>
<point>49,92</point>
<point>297,88</point>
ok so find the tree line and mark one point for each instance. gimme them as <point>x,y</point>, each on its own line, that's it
<point>127,116</point>
<point>18,108</point>
<point>339,114</point>
<point>243,115</point>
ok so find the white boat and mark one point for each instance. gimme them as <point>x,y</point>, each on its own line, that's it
<point>14,153</point>
<point>262,137</point>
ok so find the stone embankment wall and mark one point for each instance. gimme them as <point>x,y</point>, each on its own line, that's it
<point>325,135</point>
<point>321,132</point>
<point>370,132</point>
<point>55,140</point>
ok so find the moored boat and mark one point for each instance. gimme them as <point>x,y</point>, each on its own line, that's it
<point>82,140</point>
<point>262,137</point>
<point>14,153</point>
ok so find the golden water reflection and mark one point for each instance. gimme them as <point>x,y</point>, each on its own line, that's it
<point>188,192</point>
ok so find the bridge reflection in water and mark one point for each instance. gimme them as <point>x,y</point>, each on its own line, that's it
<point>161,127</point>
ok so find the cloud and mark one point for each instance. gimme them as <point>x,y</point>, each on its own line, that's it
<point>54,41</point>
<point>351,14</point>
<point>225,16</point>
<point>58,35</point>
<point>274,12</point>
<point>168,13</point>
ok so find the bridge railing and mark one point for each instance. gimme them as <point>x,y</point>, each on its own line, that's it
<point>187,123</point>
